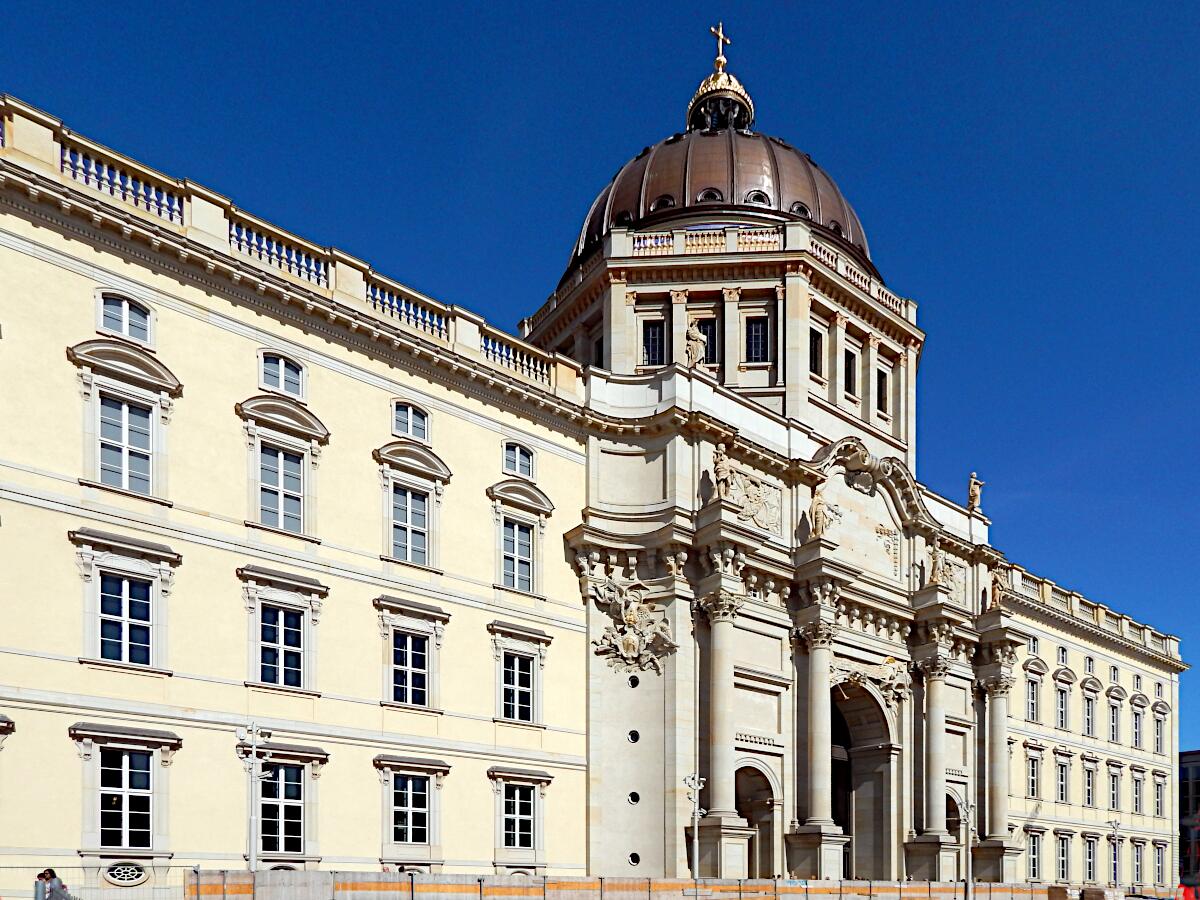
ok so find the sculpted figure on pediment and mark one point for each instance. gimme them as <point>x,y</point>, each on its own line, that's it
<point>696,343</point>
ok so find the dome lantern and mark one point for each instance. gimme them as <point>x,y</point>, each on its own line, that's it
<point>721,101</point>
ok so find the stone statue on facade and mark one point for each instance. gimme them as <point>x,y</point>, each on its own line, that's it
<point>937,564</point>
<point>722,472</point>
<point>974,492</point>
<point>697,344</point>
<point>996,593</point>
<point>635,640</point>
<point>818,515</point>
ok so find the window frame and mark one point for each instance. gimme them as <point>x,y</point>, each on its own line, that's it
<point>265,587</point>
<point>1063,857</point>
<point>753,317</point>
<point>648,325</point>
<point>406,616</point>
<point>851,363</point>
<point>102,294</point>
<point>519,859</point>
<point>817,334</point>
<point>1062,781</point>
<point>301,396</point>
<point>1062,707</point>
<point>523,502</point>
<point>1138,787</point>
<point>283,450</point>
<point>521,641</point>
<point>311,761</point>
<point>427,855</point>
<point>519,447</point>
<point>1089,786</point>
<point>712,346</point>
<point>518,526</point>
<point>412,407</point>
<point>1033,855</point>
<point>1091,864</point>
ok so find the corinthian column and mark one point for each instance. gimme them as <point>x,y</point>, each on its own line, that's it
<point>997,756</point>
<point>819,638</point>
<point>935,745</point>
<point>722,607</point>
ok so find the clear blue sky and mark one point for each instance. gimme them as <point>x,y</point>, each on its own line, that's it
<point>1028,173</point>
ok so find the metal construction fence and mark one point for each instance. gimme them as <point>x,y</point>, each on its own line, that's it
<point>120,881</point>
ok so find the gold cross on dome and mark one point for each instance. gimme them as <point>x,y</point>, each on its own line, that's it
<point>719,33</point>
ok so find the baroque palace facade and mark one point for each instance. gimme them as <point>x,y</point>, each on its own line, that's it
<point>302,568</point>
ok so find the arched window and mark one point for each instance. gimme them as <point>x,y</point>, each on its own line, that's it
<point>624,217</point>
<point>411,421</point>
<point>282,374</point>
<point>709,195</point>
<point>758,198</point>
<point>666,201</point>
<point>836,228</point>
<point>126,317</point>
<point>518,459</point>
<point>801,210</point>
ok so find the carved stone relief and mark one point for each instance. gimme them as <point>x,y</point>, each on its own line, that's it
<point>891,677</point>
<point>757,501</point>
<point>636,640</point>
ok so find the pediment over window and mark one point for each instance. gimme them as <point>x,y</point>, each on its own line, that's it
<point>124,734</point>
<point>1116,692</point>
<point>1091,685</point>
<point>282,414</point>
<point>521,494</point>
<point>1035,666</point>
<point>1064,676</point>
<point>1139,700</point>
<point>867,473</point>
<point>124,362</point>
<point>1161,707</point>
<point>411,456</point>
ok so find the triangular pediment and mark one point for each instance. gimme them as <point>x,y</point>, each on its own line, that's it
<point>412,456</point>
<point>125,362</point>
<point>521,494</point>
<point>282,414</point>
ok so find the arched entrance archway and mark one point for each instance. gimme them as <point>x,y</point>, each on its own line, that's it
<point>756,804</point>
<point>954,825</point>
<point>864,779</point>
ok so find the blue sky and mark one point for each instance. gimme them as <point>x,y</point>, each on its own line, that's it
<point>1027,173</point>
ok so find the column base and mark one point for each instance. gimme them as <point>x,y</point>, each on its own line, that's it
<point>724,846</point>
<point>997,861</point>
<point>817,852</point>
<point>932,857</point>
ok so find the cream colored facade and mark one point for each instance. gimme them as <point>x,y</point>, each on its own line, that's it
<point>732,569</point>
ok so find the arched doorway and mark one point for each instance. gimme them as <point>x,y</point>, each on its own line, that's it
<point>756,804</point>
<point>864,779</point>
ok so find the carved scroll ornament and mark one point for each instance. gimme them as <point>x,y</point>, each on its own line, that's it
<point>890,676</point>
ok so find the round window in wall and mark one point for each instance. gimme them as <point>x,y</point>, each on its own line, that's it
<point>634,737</point>
<point>125,874</point>
<point>634,798</point>
<point>634,858</point>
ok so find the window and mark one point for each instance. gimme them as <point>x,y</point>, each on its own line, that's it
<point>1114,674</point>
<point>709,195</point>
<point>801,210</point>
<point>836,228</point>
<point>1137,682</point>
<point>410,809</point>
<point>816,351</point>
<point>654,344</point>
<point>1089,858</point>
<point>850,367</point>
<point>758,340</point>
<point>410,524</point>
<point>1032,646</point>
<point>518,460</point>
<point>1031,700</point>
<point>411,421</point>
<point>1060,704</point>
<point>1062,656</point>
<point>1137,863</point>
<point>125,619</point>
<point>410,668</point>
<point>598,353</point>
<point>1114,723</point>
<point>708,328</point>
<point>1158,734</point>
<point>1115,861</point>
<point>518,816</point>
<point>1034,853</point>
<point>1089,787</point>
<point>758,198</point>
<point>281,646</point>
<point>518,555</point>
<point>1158,690</point>
<point>1138,783</point>
<point>1061,779</point>
<point>282,809</point>
<point>1063,872</point>
<point>881,391</point>
<point>1160,790</point>
<point>1114,790</point>
<point>1137,728</point>
<point>281,374</point>
<point>1033,771</point>
<point>126,799</point>
<point>517,697</point>
<point>1089,716</point>
<point>1089,665</point>
<point>1160,864</point>
<point>281,488</point>
<point>125,444</point>
<point>664,201</point>
<point>123,316</point>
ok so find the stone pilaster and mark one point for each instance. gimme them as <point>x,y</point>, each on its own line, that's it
<point>819,638</point>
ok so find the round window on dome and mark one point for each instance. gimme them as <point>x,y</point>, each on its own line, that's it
<point>758,198</point>
<point>836,228</point>
<point>709,195</point>
<point>801,210</point>
<point>623,218</point>
<point>666,201</point>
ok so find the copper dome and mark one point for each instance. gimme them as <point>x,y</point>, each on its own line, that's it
<point>720,168</point>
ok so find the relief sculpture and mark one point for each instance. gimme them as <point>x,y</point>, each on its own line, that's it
<point>635,640</point>
<point>757,501</point>
<point>891,677</point>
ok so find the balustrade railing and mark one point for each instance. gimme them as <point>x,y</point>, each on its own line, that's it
<point>654,243</point>
<point>508,353</point>
<point>750,240</point>
<point>706,240</point>
<point>272,249</point>
<point>123,182</point>
<point>407,310</point>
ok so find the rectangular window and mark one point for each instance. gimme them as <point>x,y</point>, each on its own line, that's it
<point>1114,723</point>
<point>281,646</point>
<point>1114,790</point>
<point>410,524</point>
<point>1138,784</point>
<point>1033,646</point>
<point>1159,795</point>
<point>125,449</point>
<point>1061,781</point>
<point>1031,700</point>
<point>410,809</point>
<point>1114,674</point>
<point>1064,858</point>
<point>1062,656</point>
<point>1034,851</point>
<point>1034,772</point>
<point>1160,864</point>
<point>1060,705</point>
<point>517,696</point>
<point>1158,734</point>
<point>1137,682</point>
<point>1089,716</point>
<point>1137,863</point>
<point>816,351</point>
<point>654,347</point>
<point>410,668</point>
<point>126,796</point>
<point>758,340</point>
<point>850,367</point>
<point>1137,729</point>
<point>598,353</point>
<point>518,555</point>
<point>1089,787</point>
<point>282,809</point>
<point>708,328</point>
<point>518,816</point>
<point>881,391</point>
<point>125,619</point>
<point>281,489</point>
<point>1115,861</point>
<point>1089,859</point>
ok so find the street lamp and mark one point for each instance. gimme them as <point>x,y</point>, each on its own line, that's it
<point>695,784</point>
<point>251,735</point>
<point>972,834</point>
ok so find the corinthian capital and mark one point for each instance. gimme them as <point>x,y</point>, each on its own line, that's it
<point>997,685</point>
<point>935,666</point>
<point>722,605</point>
<point>817,635</point>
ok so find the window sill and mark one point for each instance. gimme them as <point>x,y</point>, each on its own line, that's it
<point>410,707</point>
<point>518,591</point>
<point>133,668</point>
<point>277,392</point>
<point>271,529</point>
<point>281,689</point>
<point>747,366</point>
<point>500,720</point>
<point>857,401</point>
<point>818,379</point>
<point>301,858</point>
<point>101,486</point>
<point>412,565</point>
<point>884,417</point>
<point>118,853</point>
